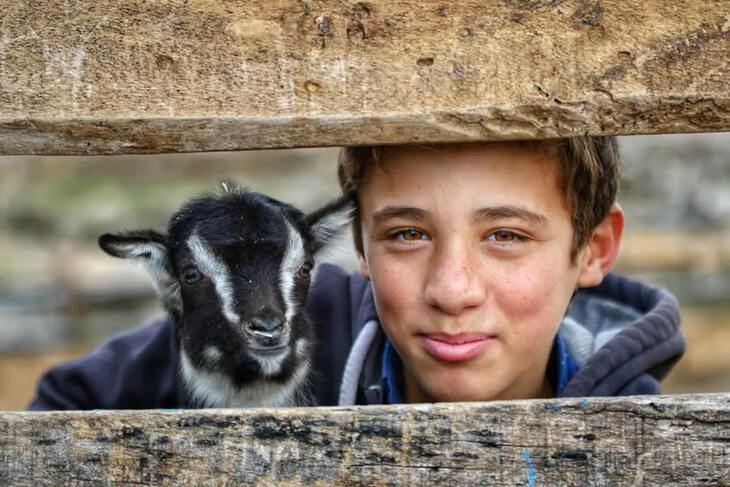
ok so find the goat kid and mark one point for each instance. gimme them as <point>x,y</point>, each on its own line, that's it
<point>234,271</point>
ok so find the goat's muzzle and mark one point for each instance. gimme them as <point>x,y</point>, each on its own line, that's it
<point>266,332</point>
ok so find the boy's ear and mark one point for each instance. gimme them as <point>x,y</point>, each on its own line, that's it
<point>364,271</point>
<point>601,251</point>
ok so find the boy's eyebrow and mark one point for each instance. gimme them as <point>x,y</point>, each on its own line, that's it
<point>495,212</point>
<point>486,213</point>
<point>408,212</point>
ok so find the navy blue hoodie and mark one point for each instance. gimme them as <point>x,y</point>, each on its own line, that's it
<point>624,336</point>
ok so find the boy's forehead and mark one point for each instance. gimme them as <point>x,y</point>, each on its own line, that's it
<point>538,147</point>
<point>464,176</point>
<point>395,160</point>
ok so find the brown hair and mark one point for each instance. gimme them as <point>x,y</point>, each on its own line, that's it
<point>588,175</point>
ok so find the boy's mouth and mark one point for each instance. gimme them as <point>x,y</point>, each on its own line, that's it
<point>456,348</point>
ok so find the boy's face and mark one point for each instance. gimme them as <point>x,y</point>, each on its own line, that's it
<point>468,251</point>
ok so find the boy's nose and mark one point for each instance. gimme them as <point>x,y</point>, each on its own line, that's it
<point>453,282</point>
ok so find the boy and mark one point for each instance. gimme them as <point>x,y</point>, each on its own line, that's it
<point>473,253</point>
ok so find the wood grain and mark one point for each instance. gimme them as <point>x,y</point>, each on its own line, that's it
<point>660,440</point>
<point>136,76</point>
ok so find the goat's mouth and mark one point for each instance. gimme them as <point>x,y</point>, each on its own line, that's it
<point>266,351</point>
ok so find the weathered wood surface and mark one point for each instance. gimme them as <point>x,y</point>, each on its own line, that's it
<point>664,440</point>
<point>137,76</point>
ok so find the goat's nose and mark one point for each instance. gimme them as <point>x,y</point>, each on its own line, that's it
<point>269,326</point>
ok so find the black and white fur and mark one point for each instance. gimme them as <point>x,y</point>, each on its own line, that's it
<point>234,271</point>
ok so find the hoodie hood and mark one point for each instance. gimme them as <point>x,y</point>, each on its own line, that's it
<point>620,332</point>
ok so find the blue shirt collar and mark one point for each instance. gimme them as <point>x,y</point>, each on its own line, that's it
<point>392,375</point>
<point>561,368</point>
<point>561,365</point>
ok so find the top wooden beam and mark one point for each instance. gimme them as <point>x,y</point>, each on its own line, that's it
<point>141,76</point>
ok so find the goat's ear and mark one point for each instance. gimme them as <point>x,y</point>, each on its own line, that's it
<point>142,245</point>
<point>331,219</point>
<point>148,248</point>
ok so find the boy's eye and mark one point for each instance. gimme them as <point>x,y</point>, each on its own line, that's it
<point>411,234</point>
<point>503,236</point>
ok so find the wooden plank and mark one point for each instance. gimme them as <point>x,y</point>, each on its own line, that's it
<point>668,440</point>
<point>139,76</point>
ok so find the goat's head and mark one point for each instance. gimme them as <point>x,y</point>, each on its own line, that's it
<point>234,271</point>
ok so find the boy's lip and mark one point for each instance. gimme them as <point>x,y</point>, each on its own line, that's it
<point>457,347</point>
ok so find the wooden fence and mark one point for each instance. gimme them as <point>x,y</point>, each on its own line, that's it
<point>662,440</point>
<point>136,76</point>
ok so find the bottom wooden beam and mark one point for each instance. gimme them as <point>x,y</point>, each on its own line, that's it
<point>594,441</point>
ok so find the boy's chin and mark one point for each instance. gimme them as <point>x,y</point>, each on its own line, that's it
<point>449,396</point>
<point>443,391</point>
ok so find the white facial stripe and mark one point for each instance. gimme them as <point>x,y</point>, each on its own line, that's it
<point>292,261</point>
<point>211,266</point>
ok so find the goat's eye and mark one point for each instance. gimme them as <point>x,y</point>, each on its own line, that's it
<point>191,274</point>
<point>305,271</point>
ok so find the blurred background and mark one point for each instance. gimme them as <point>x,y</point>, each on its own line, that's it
<point>60,295</point>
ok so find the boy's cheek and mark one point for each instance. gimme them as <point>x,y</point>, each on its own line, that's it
<point>396,290</point>
<point>393,285</point>
<point>524,290</point>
